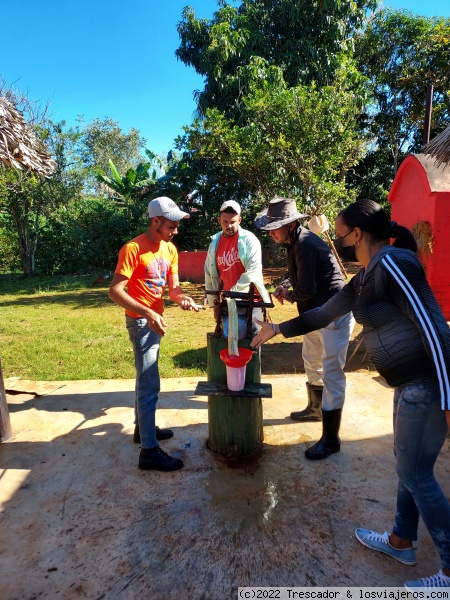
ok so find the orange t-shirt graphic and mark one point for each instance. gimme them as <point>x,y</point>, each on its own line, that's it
<point>229,265</point>
<point>147,266</point>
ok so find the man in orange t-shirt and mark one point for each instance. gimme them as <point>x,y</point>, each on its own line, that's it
<point>146,265</point>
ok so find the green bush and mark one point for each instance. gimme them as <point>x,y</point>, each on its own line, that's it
<point>9,247</point>
<point>83,237</point>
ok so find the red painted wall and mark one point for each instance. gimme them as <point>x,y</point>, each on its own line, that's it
<point>440,274</point>
<point>413,201</point>
<point>191,266</point>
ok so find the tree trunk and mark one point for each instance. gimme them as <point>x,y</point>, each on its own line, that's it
<point>235,422</point>
<point>24,244</point>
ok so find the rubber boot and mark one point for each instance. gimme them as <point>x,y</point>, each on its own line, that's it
<point>313,412</point>
<point>329,443</point>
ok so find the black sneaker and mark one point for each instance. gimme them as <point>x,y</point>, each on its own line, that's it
<point>161,434</point>
<point>157,460</point>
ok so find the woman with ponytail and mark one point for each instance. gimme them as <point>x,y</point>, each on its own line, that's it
<point>408,341</point>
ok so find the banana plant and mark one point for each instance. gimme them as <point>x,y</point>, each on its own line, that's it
<point>130,189</point>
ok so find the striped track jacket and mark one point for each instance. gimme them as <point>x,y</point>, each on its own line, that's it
<point>405,332</point>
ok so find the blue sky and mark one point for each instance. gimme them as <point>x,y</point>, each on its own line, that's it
<point>111,58</point>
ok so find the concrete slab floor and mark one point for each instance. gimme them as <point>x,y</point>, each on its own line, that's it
<point>79,520</point>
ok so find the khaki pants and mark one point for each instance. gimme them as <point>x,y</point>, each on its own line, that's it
<point>324,354</point>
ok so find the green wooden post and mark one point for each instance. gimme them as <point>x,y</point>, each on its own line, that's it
<point>5,424</point>
<point>235,422</point>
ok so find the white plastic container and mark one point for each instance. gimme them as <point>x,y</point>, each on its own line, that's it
<point>236,367</point>
<point>236,378</point>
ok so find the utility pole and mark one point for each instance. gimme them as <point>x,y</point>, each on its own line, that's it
<point>428,108</point>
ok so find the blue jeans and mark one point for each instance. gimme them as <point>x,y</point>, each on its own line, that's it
<point>420,429</point>
<point>146,352</point>
<point>242,322</point>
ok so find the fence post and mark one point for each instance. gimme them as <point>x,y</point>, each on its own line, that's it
<point>5,423</point>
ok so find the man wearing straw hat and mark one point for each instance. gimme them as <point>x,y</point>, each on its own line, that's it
<point>313,278</point>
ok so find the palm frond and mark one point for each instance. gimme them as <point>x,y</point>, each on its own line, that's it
<point>19,146</point>
<point>439,148</point>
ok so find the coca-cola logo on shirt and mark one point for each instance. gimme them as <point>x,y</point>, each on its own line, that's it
<point>228,259</point>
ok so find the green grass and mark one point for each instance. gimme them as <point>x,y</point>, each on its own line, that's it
<point>57,329</point>
<point>63,328</point>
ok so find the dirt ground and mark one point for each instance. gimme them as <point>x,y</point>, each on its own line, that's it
<point>78,520</point>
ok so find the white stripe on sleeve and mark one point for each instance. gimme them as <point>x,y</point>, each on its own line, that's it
<point>428,328</point>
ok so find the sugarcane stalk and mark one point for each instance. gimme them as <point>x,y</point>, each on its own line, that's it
<point>330,241</point>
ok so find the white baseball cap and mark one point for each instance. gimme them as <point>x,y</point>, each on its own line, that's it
<point>165,207</point>
<point>231,204</point>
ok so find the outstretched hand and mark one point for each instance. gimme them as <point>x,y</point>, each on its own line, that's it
<point>187,303</point>
<point>265,333</point>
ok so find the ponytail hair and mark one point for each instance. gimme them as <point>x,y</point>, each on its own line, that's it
<point>404,238</point>
<point>371,218</point>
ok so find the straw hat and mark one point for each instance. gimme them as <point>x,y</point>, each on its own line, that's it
<point>281,211</point>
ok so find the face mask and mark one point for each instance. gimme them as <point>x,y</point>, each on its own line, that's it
<point>347,253</point>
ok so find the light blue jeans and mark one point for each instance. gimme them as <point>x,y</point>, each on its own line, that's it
<point>420,429</point>
<point>242,322</point>
<point>324,353</point>
<point>146,352</point>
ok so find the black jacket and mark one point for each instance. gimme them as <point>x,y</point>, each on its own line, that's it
<point>314,273</point>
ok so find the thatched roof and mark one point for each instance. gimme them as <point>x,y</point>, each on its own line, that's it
<point>19,146</point>
<point>438,176</point>
<point>439,148</point>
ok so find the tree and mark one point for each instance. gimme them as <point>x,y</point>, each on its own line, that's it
<point>31,181</point>
<point>400,53</point>
<point>281,102</point>
<point>26,198</point>
<point>296,141</point>
<point>35,112</point>
<point>104,140</point>
<point>307,40</point>
<point>134,186</point>
<point>199,186</point>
